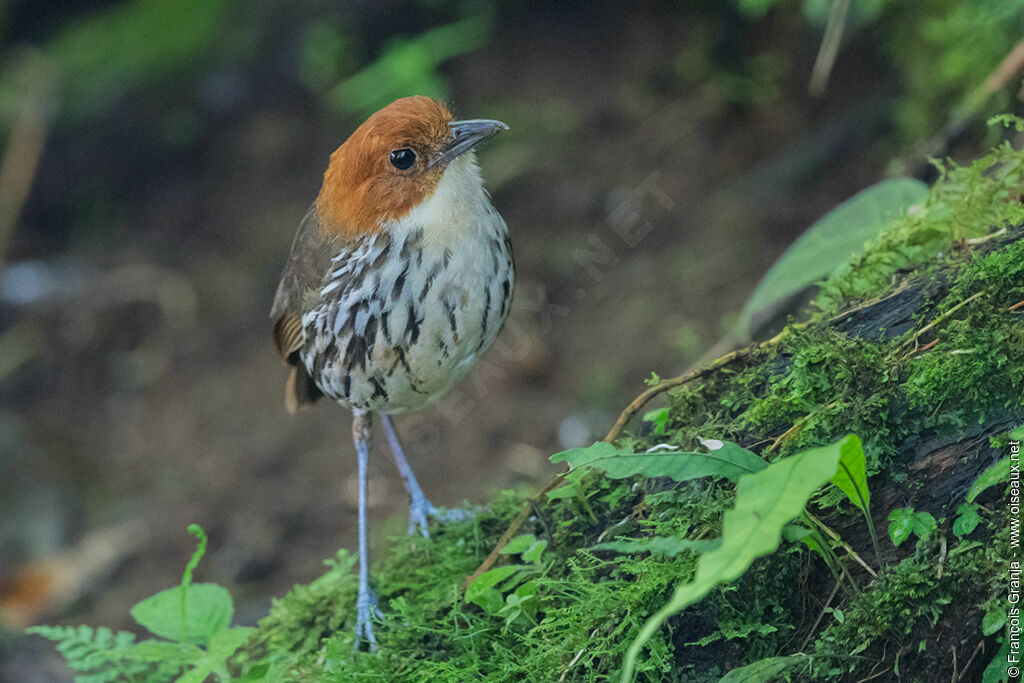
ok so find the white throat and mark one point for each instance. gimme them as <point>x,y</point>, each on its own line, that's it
<point>455,209</point>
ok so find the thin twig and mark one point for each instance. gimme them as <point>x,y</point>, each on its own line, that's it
<point>917,352</point>
<point>25,144</point>
<point>873,677</point>
<point>941,318</point>
<point>814,626</point>
<point>666,384</point>
<point>975,241</point>
<point>514,527</point>
<point>980,647</point>
<point>829,49</point>
<point>575,659</point>
<point>1017,305</point>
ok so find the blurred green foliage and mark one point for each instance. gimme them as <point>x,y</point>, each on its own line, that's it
<point>943,51</point>
<point>408,66</point>
<point>95,57</point>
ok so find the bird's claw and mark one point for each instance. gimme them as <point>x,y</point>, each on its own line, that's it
<point>366,611</point>
<point>420,509</point>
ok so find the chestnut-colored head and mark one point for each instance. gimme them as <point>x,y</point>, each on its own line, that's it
<point>391,163</point>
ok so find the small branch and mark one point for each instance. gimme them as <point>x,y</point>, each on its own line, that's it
<point>980,647</point>
<point>917,352</point>
<point>939,319</point>
<point>25,143</point>
<point>821,614</point>
<point>829,49</point>
<point>513,528</point>
<point>664,385</point>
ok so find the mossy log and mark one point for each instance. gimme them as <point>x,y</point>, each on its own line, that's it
<point>929,373</point>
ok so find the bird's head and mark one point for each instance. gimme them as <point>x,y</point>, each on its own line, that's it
<point>393,162</point>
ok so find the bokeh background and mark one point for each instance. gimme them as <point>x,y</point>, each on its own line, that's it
<point>158,155</point>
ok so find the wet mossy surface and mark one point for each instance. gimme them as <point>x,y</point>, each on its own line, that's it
<point>916,347</point>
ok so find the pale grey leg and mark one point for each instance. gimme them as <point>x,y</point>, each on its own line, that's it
<point>419,507</point>
<point>366,600</point>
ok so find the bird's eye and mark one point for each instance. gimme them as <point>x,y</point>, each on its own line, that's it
<point>402,158</point>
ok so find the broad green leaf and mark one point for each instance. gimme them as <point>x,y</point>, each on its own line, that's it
<point>998,473</point>
<point>901,524</point>
<point>924,524</point>
<point>730,462</point>
<point>764,670</point>
<point>528,545</point>
<point>766,501</point>
<point>1017,434</point>
<point>995,672</point>
<point>226,643</point>
<point>851,477</point>
<point>659,545</point>
<point>519,544</point>
<point>993,620</point>
<point>830,243</point>
<point>967,521</point>
<point>489,599</point>
<point>533,553</point>
<point>566,491</point>
<point>207,610</point>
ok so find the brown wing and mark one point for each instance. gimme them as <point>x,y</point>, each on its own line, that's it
<point>298,290</point>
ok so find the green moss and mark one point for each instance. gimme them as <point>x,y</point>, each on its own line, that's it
<point>814,384</point>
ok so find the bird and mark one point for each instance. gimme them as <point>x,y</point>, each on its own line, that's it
<point>399,278</point>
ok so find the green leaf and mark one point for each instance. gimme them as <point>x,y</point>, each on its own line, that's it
<point>1017,434</point>
<point>528,545</point>
<point>658,418</point>
<point>766,501</point>
<point>851,477</point>
<point>763,670</point>
<point>923,524</point>
<point>207,609</point>
<point>659,545</point>
<point>830,243</point>
<point>967,520</point>
<point>226,643</point>
<point>998,473</point>
<point>533,553</point>
<point>995,672</point>
<point>729,461</point>
<point>482,591</point>
<point>993,620</point>
<point>901,524</point>
<point>565,491</point>
<point>519,544</point>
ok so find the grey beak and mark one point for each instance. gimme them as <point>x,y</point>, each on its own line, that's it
<point>467,134</point>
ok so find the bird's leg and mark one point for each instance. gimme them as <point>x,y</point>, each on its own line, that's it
<point>419,507</point>
<point>366,601</point>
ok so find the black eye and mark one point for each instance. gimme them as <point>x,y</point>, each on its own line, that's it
<point>402,158</point>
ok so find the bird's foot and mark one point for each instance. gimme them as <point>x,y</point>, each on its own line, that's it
<point>366,611</point>
<point>420,509</point>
